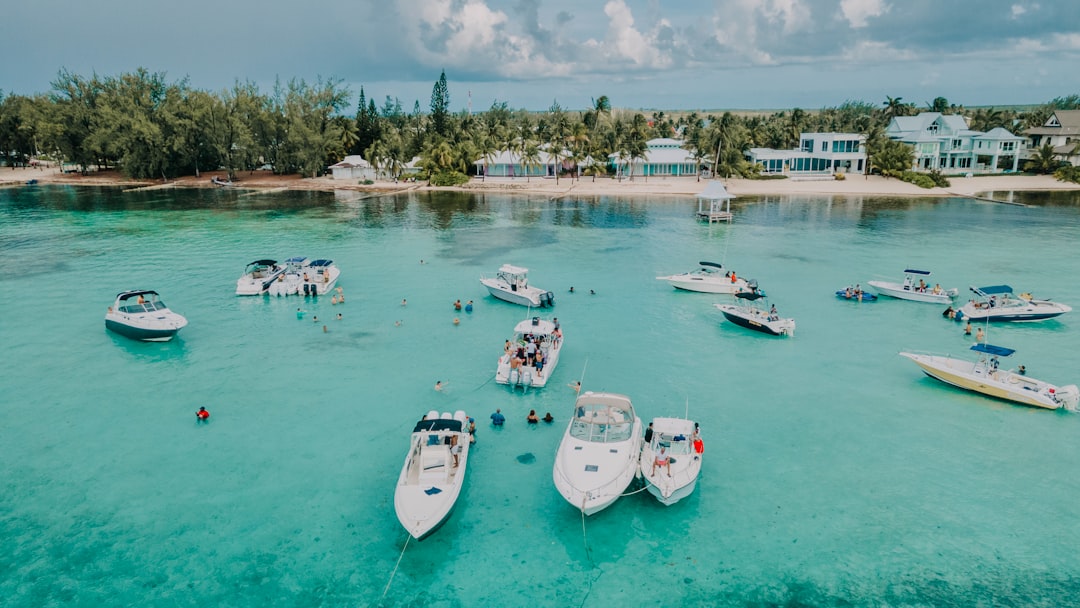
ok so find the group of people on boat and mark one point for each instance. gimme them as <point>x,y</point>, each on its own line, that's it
<point>529,352</point>
<point>909,285</point>
<point>854,292</point>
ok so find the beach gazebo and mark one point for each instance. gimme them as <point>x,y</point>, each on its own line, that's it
<point>719,200</point>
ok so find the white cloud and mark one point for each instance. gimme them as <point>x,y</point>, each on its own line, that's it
<point>871,51</point>
<point>735,24</point>
<point>857,12</point>
<point>1019,10</point>
<point>625,42</point>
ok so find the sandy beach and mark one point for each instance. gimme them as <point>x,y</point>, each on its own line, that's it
<point>857,185</point>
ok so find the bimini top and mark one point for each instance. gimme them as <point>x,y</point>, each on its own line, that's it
<point>750,295</point>
<point>511,269</point>
<point>713,264</point>
<point>321,263</point>
<point>134,294</point>
<point>992,290</point>
<point>913,271</point>
<point>263,263</point>
<point>990,349</point>
<point>438,424</point>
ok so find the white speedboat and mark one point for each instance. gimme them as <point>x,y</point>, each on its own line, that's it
<point>984,376</point>
<point>140,315</point>
<point>598,456</point>
<point>682,451</point>
<point>258,276</point>
<point>514,368</point>
<point>914,288</point>
<point>750,315</point>
<point>707,279</point>
<point>318,277</point>
<point>289,281</point>
<point>434,471</point>
<point>511,283</point>
<point>998,303</point>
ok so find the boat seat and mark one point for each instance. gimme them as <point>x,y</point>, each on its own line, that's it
<point>433,463</point>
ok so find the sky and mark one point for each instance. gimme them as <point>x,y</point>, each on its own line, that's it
<point>641,54</point>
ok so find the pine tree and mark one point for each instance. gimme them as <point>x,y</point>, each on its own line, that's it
<point>440,104</point>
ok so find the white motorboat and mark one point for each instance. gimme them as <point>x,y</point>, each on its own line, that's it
<point>984,376</point>
<point>598,456</point>
<point>707,279</point>
<point>682,452</point>
<point>258,276</point>
<point>434,472</point>
<point>514,368</point>
<point>511,283</point>
<point>318,277</point>
<point>998,303</point>
<point>916,291</point>
<point>141,315</point>
<point>289,281</point>
<point>750,315</point>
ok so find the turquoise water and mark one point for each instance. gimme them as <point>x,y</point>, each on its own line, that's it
<point>835,472</point>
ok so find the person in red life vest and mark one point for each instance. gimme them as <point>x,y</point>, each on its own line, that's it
<point>202,414</point>
<point>699,445</point>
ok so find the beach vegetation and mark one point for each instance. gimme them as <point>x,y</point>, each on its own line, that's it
<point>149,127</point>
<point>1044,160</point>
<point>448,178</point>
<point>1068,173</point>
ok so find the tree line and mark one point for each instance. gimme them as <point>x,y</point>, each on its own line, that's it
<point>149,127</point>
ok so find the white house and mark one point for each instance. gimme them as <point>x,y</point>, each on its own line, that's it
<point>664,157</point>
<point>353,167</point>
<point>818,153</point>
<point>510,163</point>
<point>943,142</point>
<point>1062,131</point>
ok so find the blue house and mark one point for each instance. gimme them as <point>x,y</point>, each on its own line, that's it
<point>943,142</point>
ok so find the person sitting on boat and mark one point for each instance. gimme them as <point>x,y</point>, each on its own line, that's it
<point>663,459</point>
<point>733,277</point>
<point>994,363</point>
<point>848,292</point>
<point>937,289</point>
<point>141,300</point>
<point>773,315</point>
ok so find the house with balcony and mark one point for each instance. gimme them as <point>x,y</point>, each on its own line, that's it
<point>943,142</point>
<point>818,154</point>
<point>1062,131</point>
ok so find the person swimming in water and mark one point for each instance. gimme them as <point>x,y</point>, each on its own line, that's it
<point>202,415</point>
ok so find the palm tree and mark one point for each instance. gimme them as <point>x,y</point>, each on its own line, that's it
<point>1044,160</point>
<point>530,158</point>
<point>894,106</point>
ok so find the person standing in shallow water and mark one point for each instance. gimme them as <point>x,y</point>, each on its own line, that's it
<point>202,415</point>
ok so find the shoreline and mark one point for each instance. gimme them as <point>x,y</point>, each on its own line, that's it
<point>857,185</point>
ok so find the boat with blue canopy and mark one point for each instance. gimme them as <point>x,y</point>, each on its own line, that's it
<point>998,303</point>
<point>985,375</point>
<point>915,288</point>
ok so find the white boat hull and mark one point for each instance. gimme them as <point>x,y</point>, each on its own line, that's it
<point>1017,311</point>
<point>669,494</point>
<point>704,284</point>
<point>670,484</point>
<point>529,296</point>
<point>757,320</point>
<point>1002,384</point>
<point>897,290</point>
<point>430,483</point>
<point>592,473</point>
<point>528,376</point>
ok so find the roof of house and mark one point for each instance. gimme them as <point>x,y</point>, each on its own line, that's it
<point>998,133</point>
<point>351,161</point>
<point>1068,123</point>
<point>953,123</point>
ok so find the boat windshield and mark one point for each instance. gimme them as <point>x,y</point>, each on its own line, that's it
<point>601,423</point>
<point>150,306</point>
<point>675,444</point>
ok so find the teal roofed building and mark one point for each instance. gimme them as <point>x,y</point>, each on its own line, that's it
<point>664,157</point>
<point>943,142</point>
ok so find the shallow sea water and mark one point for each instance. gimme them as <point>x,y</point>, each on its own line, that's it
<point>835,472</point>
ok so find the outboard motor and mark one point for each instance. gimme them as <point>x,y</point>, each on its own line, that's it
<point>526,377</point>
<point>514,376</point>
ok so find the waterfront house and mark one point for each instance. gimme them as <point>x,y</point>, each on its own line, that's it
<point>353,167</point>
<point>943,142</point>
<point>664,157</point>
<point>510,163</point>
<point>1062,131</point>
<point>818,154</point>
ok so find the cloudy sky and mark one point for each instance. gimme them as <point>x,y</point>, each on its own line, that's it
<point>667,54</point>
